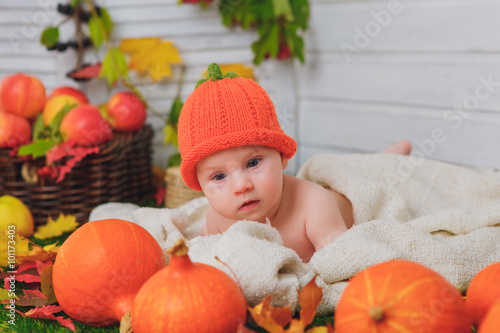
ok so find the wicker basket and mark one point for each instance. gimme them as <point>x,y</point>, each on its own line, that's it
<point>121,171</point>
<point>178,193</point>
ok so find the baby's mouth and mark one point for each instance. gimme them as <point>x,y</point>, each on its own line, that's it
<point>249,205</point>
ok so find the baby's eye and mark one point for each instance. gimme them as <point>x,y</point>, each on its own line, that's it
<point>253,163</point>
<point>219,176</point>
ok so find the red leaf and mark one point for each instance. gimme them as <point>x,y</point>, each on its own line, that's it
<point>68,149</point>
<point>47,312</point>
<point>160,194</point>
<point>41,265</point>
<point>87,72</point>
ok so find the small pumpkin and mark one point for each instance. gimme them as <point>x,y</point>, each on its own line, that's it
<point>401,296</point>
<point>188,297</point>
<point>483,291</point>
<point>100,268</point>
<point>491,321</point>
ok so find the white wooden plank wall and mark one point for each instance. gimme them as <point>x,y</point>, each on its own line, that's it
<point>406,72</point>
<point>381,71</point>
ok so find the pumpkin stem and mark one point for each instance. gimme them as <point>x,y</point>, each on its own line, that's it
<point>126,323</point>
<point>179,249</point>
<point>377,313</point>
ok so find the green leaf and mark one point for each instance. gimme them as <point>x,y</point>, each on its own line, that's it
<point>282,8</point>
<point>170,135</point>
<point>53,128</point>
<point>96,32</point>
<point>36,149</point>
<point>74,3</point>
<point>175,160</point>
<point>175,111</point>
<point>267,44</point>
<point>114,66</point>
<point>38,127</point>
<point>300,9</point>
<point>294,41</point>
<point>49,36</point>
<point>107,23</point>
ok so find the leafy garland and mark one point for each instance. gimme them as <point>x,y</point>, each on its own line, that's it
<point>279,24</point>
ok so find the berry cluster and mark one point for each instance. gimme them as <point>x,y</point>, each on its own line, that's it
<point>83,16</point>
<point>73,44</point>
<point>69,10</point>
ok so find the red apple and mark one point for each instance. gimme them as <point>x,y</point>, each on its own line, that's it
<point>79,95</point>
<point>55,104</point>
<point>126,112</point>
<point>22,95</point>
<point>86,126</point>
<point>14,127</point>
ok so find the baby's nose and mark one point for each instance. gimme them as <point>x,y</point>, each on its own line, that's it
<point>242,183</point>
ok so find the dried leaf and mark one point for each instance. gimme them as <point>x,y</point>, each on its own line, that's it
<point>47,312</point>
<point>31,298</point>
<point>309,299</point>
<point>6,294</point>
<point>25,251</point>
<point>270,318</point>
<point>46,284</point>
<point>64,223</point>
<point>151,55</point>
<point>296,326</point>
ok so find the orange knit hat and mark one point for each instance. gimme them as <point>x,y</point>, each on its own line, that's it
<point>226,111</point>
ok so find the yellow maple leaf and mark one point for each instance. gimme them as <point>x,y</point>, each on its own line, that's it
<point>240,69</point>
<point>15,250</point>
<point>64,223</point>
<point>151,55</point>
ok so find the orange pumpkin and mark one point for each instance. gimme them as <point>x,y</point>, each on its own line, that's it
<point>100,268</point>
<point>401,296</point>
<point>187,297</point>
<point>483,291</point>
<point>491,322</point>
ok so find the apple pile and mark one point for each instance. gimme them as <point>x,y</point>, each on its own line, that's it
<point>23,100</point>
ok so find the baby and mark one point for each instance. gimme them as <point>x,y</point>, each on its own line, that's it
<point>234,150</point>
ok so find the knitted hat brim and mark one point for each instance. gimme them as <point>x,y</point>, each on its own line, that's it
<point>261,137</point>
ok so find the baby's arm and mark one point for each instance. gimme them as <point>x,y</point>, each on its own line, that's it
<point>324,221</point>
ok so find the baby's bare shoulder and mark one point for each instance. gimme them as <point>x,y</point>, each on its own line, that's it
<point>309,192</point>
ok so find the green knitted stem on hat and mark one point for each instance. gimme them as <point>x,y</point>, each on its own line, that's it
<point>214,73</point>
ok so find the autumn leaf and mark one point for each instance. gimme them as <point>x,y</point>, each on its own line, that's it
<point>46,284</point>
<point>47,312</point>
<point>151,55</point>
<point>309,299</point>
<point>25,251</point>
<point>239,69</point>
<point>322,329</point>
<point>64,223</point>
<point>86,72</point>
<point>270,318</point>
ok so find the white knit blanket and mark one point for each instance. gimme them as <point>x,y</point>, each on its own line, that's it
<point>440,215</point>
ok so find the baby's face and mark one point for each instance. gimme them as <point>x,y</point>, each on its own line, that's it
<point>243,183</point>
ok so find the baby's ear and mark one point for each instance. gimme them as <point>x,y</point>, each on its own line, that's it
<point>284,161</point>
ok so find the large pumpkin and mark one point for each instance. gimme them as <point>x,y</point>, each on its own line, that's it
<point>100,268</point>
<point>491,322</point>
<point>401,296</point>
<point>187,297</point>
<point>483,291</point>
